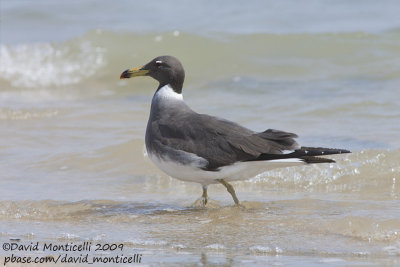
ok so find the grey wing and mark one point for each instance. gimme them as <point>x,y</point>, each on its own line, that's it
<point>220,142</point>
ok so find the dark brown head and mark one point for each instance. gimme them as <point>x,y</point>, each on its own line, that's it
<point>165,69</point>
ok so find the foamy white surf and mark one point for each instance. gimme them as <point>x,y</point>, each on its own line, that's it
<point>45,64</point>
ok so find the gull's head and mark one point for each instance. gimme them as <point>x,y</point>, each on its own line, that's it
<point>165,69</point>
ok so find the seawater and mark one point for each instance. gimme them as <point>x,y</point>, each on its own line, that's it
<point>73,163</point>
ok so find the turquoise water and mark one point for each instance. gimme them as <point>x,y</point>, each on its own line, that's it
<point>74,167</point>
<point>60,21</point>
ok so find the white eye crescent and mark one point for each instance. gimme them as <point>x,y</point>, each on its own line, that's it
<point>158,63</point>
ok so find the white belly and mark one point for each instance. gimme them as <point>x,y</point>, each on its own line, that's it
<point>234,172</point>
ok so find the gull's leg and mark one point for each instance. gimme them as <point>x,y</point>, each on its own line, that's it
<point>204,197</point>
<point>230,190</point>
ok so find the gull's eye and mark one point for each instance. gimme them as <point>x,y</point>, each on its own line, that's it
<point>158,63</point>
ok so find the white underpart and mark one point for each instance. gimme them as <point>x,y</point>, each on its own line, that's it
<point>287,151</point>
<point>234,172</point>
<point>167,93</point>
<point>293,160</point>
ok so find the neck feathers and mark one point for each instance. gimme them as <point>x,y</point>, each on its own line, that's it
<point>167,92</point>
<point>175,85</point>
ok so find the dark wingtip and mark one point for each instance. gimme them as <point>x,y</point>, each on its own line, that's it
<point>340,151</point>
<point>320,151</point>
<point>124,75</point>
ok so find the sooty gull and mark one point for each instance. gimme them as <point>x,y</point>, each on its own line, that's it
<point>200,148</point>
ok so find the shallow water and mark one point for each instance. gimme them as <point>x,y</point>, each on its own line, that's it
<point>74,166</point>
